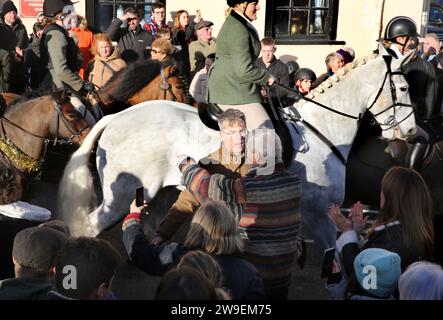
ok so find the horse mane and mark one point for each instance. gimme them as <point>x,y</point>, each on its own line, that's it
<point>59,95</point>
<point>336,78</point>
<point>128,81</point>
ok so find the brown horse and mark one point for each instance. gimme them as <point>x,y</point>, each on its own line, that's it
<point>9,97</point>
<point>139,82</point>
<point>27,127</point>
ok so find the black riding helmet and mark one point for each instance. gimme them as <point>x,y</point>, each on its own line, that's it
<point>305,74</point>
<point>400,26</point>
<point>52,7</point>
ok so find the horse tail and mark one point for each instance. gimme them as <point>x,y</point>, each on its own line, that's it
<point>77,196</point>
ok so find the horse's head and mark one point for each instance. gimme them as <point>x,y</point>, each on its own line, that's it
<point>168,85</point>
<point>391,106</point>
<point>68,122</point>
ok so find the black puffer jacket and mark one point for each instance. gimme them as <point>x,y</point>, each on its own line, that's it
<point>21,39</point>
<point>132,45</point>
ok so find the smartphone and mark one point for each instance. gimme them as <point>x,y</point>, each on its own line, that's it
<point>139,196</point>
<point>198,12</point>
<point>328,262</point>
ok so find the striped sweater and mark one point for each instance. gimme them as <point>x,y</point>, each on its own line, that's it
<point>267,207</point>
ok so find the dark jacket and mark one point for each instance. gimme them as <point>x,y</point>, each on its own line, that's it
<point>9,227</point>
<point>281,72</point>
<point>34,67</point>
<point>277,68</point>
<point>388,237</point>
<point>239,276</point>
<point>183,38</point>
<point>423,87</point>
<point>21,39</point>
<point>6,61</point>
<point>26,289</point>
<point>133,46</point>
<point>59,54</point>
<point>7,38</point>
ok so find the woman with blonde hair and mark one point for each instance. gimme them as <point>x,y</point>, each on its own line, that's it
<point>208,267</point>
<point>214,231</point>
<point>161,50</point>
<point>106,63</point>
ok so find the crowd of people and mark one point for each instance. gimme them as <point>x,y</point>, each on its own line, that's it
<point>243,238</point>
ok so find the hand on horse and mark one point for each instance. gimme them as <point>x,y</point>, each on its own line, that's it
<point>88,87</point>
<point>183,161</point>
<point>357,218</point>
<point>343,224</point>
<point>272,80</point>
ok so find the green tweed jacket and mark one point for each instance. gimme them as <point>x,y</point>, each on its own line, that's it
<point>233,76</point>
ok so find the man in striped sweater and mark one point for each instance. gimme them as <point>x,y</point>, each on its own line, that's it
<point>266,202</point>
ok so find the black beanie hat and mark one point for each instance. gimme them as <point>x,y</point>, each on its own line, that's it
<point>8,6</point>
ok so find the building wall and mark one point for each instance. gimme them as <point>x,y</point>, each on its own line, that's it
<point>358,25</point>
<point>80,8</point>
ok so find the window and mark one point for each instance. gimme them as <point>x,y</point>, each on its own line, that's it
<point>298,21</point>
<point>101,12</point>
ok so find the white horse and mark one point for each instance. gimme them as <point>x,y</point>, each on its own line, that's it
<point>137,147</point>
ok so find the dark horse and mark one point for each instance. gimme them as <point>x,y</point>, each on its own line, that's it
<point>139,82</point>
<point>370,158</point>
<point>27,127</point>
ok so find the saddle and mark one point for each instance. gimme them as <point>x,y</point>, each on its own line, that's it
<point>209,114</point>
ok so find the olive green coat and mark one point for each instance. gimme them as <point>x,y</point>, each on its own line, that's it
<point>233,76</point>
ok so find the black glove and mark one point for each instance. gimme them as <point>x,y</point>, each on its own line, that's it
<point>88,86</point>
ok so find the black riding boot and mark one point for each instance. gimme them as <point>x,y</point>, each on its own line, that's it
<point>416,154</point>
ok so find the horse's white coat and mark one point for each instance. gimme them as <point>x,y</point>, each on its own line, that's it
<point>139,146</point>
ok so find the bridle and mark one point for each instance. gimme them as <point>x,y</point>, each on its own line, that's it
<point>390,123</point>
<point>165,86</point>
<point>60,117</point>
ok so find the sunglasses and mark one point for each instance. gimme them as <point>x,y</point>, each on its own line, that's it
<point>130,19</point>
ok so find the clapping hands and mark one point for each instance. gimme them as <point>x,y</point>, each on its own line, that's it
<point>355,220</point>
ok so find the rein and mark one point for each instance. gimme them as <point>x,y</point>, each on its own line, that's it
<point>21,160</point>
<point>165,86</point>
<point>391,122</point>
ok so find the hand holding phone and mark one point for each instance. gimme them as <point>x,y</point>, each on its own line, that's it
<point>198,16</point>
<point>139,196</point>
<point>328,262</point>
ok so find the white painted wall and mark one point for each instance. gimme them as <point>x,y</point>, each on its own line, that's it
<point>358,25</point>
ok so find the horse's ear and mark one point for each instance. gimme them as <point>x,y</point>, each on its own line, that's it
<point>381,49</point>
<point>397,64</point>
<point>60,95</point>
